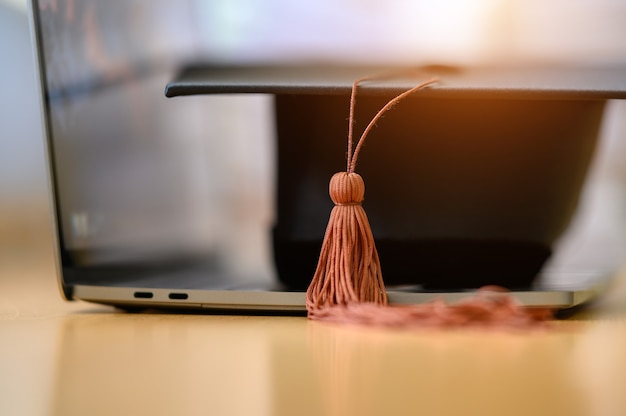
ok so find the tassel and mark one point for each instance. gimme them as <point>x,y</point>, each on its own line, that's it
<point>348,270</point>
<point>348,286</point>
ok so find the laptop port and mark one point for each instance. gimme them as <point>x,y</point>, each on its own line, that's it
<point>178,296</point>
<point>144,295</point>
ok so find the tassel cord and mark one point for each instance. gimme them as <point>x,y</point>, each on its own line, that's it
<point>354,155</point>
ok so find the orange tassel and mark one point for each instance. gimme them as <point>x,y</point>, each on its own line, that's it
<point>348,285</point>
<point>348,271</point>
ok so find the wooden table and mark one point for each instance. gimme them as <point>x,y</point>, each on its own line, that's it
<point>62,358</point>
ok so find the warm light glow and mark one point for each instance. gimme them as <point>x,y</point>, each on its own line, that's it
<point>412,31</point>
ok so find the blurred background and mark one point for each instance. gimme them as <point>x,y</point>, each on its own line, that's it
<point>574,32</point>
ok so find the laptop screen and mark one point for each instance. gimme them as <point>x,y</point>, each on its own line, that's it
<point>143,182</point>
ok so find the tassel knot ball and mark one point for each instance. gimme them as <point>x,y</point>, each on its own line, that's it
<point>346,188</point>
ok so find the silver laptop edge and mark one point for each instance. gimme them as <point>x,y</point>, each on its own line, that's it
<point>51,198</point>
<point>294,301</point>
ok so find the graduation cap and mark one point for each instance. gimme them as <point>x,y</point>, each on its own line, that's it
<point>469,181</point>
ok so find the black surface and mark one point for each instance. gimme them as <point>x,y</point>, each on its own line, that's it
<point>477,82</point>
<point>459,192</point>
<point>432,264</point>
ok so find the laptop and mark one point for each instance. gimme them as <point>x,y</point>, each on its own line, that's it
<point>215,200</point>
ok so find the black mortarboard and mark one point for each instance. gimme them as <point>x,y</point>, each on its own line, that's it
<point>494,159</point>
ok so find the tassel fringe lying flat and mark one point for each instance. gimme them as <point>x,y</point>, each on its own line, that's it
<point>487,309</point>
<point>348,287</point>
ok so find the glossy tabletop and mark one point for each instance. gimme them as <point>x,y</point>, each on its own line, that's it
<point>62,358</point>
